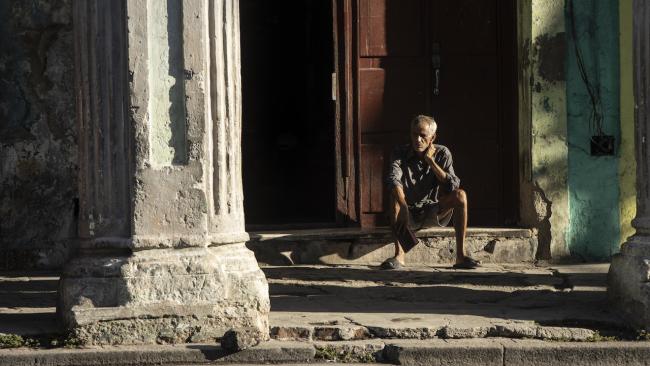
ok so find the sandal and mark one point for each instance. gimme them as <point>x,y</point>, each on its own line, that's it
<point>467,263</point>
<point>391,263</point>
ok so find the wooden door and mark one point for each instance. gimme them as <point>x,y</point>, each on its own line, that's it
<point>465,49</point>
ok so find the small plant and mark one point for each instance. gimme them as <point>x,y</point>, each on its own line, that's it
<point>597,337</point>
<point>331,354</point>
<point>11,341</point>
<point>643,335</point>
<point>71,341</point>
<point>31,342</point>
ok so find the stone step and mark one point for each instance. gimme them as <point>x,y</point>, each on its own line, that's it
<point>464,330</point>
<point>372,246</point>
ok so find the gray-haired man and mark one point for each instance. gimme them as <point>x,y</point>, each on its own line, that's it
<point>425,192</point>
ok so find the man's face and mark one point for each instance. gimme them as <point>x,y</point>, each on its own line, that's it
<point>421,137</point>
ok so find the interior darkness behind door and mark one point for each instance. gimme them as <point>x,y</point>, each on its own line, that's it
<point>288,122</point>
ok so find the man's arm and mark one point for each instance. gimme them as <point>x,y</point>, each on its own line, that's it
<point>398,193</point>
<point>394,183</point>
<point>444,171</point>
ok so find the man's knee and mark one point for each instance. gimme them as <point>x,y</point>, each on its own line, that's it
<point>460,197</point>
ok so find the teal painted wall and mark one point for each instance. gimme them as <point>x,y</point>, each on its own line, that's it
<point>594,228</point>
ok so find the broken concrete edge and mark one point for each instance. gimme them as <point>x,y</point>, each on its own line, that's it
<point>494,351</point>
<point>339,333</point>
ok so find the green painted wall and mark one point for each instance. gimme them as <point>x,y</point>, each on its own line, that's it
<point>594,230</point>
<point>627,162</point>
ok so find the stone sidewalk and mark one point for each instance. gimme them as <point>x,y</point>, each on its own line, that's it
<point>333,303</point>
<point>498,314</point>
<point>566,302</point>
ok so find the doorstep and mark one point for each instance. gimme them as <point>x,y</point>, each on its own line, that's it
<point>371,246</point>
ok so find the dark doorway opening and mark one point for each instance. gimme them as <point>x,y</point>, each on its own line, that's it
<point>288,142</point>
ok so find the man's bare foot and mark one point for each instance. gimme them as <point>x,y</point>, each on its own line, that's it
<point>466,262</point>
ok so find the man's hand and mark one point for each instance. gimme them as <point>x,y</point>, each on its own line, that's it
<point>430,152</point>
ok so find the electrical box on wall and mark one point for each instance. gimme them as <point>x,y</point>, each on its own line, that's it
<point>602,145</point>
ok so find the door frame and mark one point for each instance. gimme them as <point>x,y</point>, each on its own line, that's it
<point>347,129</point>
<point>346,114</point>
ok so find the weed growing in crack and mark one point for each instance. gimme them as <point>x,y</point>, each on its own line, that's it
<point>331,354</point>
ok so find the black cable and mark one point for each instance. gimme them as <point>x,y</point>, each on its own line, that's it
<point>596,117</point>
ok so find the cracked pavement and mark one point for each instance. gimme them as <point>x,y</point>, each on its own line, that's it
<point>361,302</point>
<point>556,302</point>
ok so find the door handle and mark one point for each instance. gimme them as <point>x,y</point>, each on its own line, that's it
<point>435,64</point>
<point>436,85</point>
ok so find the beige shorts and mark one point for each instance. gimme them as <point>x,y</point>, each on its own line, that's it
<point>427,216</point>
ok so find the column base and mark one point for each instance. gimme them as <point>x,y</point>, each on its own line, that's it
<point>164,296</point>
<point>628,281</point>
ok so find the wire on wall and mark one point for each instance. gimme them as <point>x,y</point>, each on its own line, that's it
<point>596,116</point>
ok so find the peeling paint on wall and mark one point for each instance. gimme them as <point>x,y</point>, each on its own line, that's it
<point>37,134</point>
<point>593,180</point>
<point>549,148</point>
<point>551,49</point>
<point>627,161</point>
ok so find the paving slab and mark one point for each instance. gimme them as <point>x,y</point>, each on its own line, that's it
<point>509,352</point>
<point>444,352</point>
<point>531,353</point>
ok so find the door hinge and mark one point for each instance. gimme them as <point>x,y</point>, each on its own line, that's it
<point>334,86</point>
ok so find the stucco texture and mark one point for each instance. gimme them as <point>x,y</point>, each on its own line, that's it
<point>37,133</point>
<point>627,161</point>
<point>594,232</point>
<point>549,148</point>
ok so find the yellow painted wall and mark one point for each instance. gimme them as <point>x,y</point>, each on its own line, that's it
<point>549,127</point>
<point>627,162</point>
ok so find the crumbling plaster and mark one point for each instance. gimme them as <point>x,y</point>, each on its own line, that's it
<point>627,161</point>
<point>38,149</point>
<point>594,232</point>
<point>544,195</point>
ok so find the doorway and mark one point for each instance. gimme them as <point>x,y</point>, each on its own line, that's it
<point>454,60</point>
<point>288,142</point>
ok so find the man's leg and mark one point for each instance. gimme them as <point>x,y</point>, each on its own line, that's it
<point>394,211</point>
<point>456,200</point>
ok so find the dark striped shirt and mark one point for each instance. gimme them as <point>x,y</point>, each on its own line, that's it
<point>416,177</point>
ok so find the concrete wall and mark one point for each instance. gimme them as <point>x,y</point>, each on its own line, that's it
<point>545,197</point>
<point>38,150</point>
<point>593,180</point>
<point>627,161</point>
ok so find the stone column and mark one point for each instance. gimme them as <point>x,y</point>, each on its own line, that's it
<point>161,251</point>
<point>629,274</point>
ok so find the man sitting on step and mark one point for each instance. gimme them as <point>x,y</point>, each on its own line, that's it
<point>424,192</point>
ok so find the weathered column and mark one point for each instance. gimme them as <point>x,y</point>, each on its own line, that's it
<point>629,274</point>
<point>162,255</point>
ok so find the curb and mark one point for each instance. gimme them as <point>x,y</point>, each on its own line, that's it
<point>462,352</point>
<point>508,352</point>
<point>276,352</point>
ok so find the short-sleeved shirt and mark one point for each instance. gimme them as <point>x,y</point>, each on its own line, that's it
<point>419,182</point>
